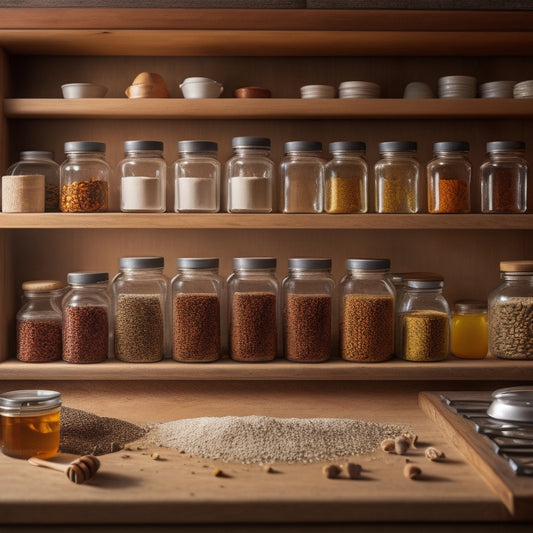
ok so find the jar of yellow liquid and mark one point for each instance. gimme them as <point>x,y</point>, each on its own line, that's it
<point>29,423</point>
<point>470,330</point>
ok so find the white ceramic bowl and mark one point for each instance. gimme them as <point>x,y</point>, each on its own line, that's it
<point>317,91</point>
<point>83,90</point>
<point>417,89</point>
<point>201,88</point>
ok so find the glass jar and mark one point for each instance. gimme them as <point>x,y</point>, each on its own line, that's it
<point>307,310</point>
<point>252,309</point>
<point>346,178</point>
<point>425,322</point>
<point>511,312</point>
<point>366,315</point>
<point>449,175</point>
<point>29,423</point>
<point>84,178</point>
<point>39,322</point>
<point>302,177</point>
<point>140,300</point>
<point>250,176</point>
<point>197,177</point>
<point>143,177</point>
<point>86,318</point>
<point>470,329</point>
<point>397,178</point>
<point>40,162</point>
<point>197,301</point>
<point>504,178</point>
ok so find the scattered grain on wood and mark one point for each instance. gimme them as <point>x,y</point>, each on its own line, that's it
<point>434,454</point>
<point>331,471</point>
<point>411,471</point>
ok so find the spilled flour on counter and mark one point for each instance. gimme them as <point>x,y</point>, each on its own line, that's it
<point>265,440</point>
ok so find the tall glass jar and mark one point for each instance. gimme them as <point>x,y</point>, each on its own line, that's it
<point>143,177</point>
<point>302,177</point>
<point>197,302</point>
<point>449,175</point>
<point>511,312</point>
<point>40,162</point>
<point>425,318</point>
<point>86,318</point>
<point>140,301</point>
<point>197,177</point>
<point>39,322</point>
<point>346,178</point>
<point>307,294</point>
<point>504,178</point>
<point>84,178</point>
<point>252,309</point>
<point>250,176</point>
<point>366,315</point>
<point>470,329</point>
<point>397,178</point>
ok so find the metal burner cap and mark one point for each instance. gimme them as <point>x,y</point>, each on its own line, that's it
<point>512,404</point>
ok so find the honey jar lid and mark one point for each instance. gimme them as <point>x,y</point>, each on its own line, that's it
<point>470,306</point>
<point>516,266</point>
<point>29,401</point>
<point>43,285</point>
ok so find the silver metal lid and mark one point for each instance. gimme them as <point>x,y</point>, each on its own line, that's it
<point>451,146</point>
<point>197,262</point>
<point>30,155</point>
<point>425,284</point>
<point>197,146</point>
<point>495,146</point>
<point>367,264</point>
<point>347,146</point>
<point>84,146</point>
<point>397,146</point>
<point>512,404</point>
<point>253,263</point>
<point>303,146</point>
<point>141,262</point>
<point>470,306</point>
<point>314,263</point>
<point>87,278</point>
<point>132,146</point>
<point>28,401</point>
<point>250,142</point>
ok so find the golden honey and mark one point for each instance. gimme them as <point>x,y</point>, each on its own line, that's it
<point>470,330</point>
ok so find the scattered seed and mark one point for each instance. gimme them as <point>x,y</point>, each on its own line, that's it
<point>155,456</point>
<point>412,471</point>
<point>354,470</point>
<point>125,456</point>
<point>434,454</point>
<point>268,469</point>
<point>217,472</point>
<point>412,438</point>
<point>401,445</point>
<point>388,445</point>
<point>331,471</point>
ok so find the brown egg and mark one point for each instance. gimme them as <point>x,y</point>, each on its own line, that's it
<point>148,78</point>
<point>148,85</point>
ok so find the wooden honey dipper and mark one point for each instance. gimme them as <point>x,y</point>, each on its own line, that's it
<point>78,471</point>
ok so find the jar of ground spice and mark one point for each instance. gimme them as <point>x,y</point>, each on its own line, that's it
<point>39,322</point>
<point>197,301</point>
<point>449,175</point>
<point>366,314</point>
<point>511,312</point>
<point>307,294</point>
<point>84,178</point>
<point>252,309</point>
<point>504,178</point>
<point>86,318</point>
<point>397,178</point>
<point>140,300</point>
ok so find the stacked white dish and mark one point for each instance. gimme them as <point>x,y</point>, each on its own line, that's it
<point>317,91</point>
<point>524,89</point>
<point>417,89</point>
<point>497,89</point>
<point>457,87</point>
<point>359,89</point>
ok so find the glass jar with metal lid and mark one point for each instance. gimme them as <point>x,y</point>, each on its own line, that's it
<point>197,177</point>
<point>140,301</point>
<point>470,329</point>
<point>366,315</point>
<point>84,178</point>
<point>511,312</point>
<point>308,291</point>
<point>302,177</point>
<point>86,318</point>
<point>143,177</point>
<point>197,302</point>
<point>39,322</point>
<point>252,309</point>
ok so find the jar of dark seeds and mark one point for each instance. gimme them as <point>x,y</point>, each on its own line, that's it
<point>39,322</point>
<point>252,309</point>
<point>140,299</point>
<point>86,318</point>
<point>511,312</point>
<point>366,314</point>
<point>307,294</point>
<point>197,296</point>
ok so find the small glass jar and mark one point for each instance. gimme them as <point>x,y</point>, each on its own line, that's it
<point>39,322</point>
<point>366,315</point>
<point>511,312</point>
<point>302,177</point>
<point>143,177</point>
<point>196,178</point>
<point>29,423</point>
<point>425,318</point>
<point>346,178</point>
<point>307,310</point>
<point>197,302</point>
<point>449,174</point>
<point>250,176</point>
<point>470,329</point>
<point>252,309</point>
<point>86,318</point>
<point>397,178</point>
<point>504,178</point>
<point>84,178</point>
<point>40,162</point>
<point>140,301</point>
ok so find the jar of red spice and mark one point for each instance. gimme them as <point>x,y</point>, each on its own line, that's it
<point>449,175</point>
<point>504,178</point>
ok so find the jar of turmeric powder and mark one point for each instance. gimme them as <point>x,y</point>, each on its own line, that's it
<point>449,174</point>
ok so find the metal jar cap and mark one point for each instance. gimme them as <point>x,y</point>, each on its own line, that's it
<point>29,155</point>
<point>516,266</point>
<point>132,146</point>
<point>425,284</point>
<point>310,263</point>
<point>451,146</point>
<point>250,142</point>
<point>495,146</point>
<point>347,146</point>
<point>397,146</point>
<point>470,306</point>
<point>87,278</point>
<point>197,262</point>
<point>142,262</point>
<point>303,146</point>
<point>84,146</point>
<point>43,285</point>
<point>253,263</point>
<point>29,401</point>
<point>367,264</point>
<point>197,146</point>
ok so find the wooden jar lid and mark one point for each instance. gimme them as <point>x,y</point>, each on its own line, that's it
<point>42,285</point>
<point>516,266</point>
